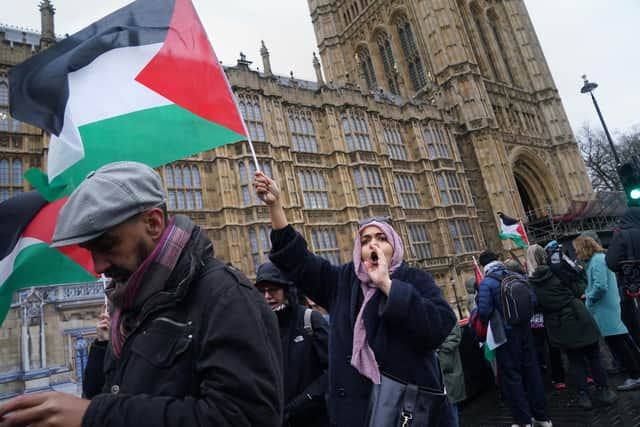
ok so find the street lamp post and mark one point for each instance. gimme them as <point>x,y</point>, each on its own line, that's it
<point>589,87</point>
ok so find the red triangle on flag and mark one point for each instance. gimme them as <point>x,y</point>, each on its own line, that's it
<point>42,227</point>
<point>186,71</point>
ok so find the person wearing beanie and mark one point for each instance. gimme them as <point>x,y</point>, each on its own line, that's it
<point>304,336</point>
<point>516,358</point>
<point>387,319</point>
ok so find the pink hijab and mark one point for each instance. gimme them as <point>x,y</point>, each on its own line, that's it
<point>362,356</point>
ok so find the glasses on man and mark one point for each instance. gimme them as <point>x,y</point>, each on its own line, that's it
<point>269,289</point>
<point>385,219</point>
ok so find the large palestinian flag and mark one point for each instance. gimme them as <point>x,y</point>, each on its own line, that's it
<point>141,84</point>
<point>27,222</point>
<point>511,228</point>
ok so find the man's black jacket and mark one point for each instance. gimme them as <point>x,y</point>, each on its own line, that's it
<point>305,367</point>
<point>205,353</point>
<point>625,244</point>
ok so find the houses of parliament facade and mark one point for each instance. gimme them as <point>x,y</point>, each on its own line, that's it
<point>437,113</point>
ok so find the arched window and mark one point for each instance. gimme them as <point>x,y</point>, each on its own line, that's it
<point>17,172</point>
<point>4,93</point>
<point>183,187</point>
<point>388,62</point>
<point>366,67</point>
<point>4,172</point>
<point>411,55</point>
<point>168,175</point>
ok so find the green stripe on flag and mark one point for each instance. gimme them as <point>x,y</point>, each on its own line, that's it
<point>517,239</point>
<point>154,136</point>
<point>55,268</point>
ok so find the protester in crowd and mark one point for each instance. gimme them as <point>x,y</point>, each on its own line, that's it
<point>304,335</point>
<point>93,379</point>
<point>387,319</point>
<point>624,251</point>
<point>517,361</point>
<point>471,285</point>
<point>570,327</point>
<point>192,343</point>
<point>603,302</point>
<point>544,350</point>
<point>451,365</point>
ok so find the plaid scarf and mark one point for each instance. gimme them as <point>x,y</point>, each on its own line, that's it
<point>149,278</point>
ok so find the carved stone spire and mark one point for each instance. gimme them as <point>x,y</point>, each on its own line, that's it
<point>318,68</point>
<point>266,62</point>
<point>48,36</point>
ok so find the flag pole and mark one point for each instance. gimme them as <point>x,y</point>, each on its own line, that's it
<point>104,281</point>
<point>246,131</point>
<point>244,124</point>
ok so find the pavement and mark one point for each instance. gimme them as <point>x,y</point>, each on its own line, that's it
<point>487,410</point>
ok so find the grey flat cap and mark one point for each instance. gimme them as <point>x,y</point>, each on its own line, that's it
<point>106,198</point>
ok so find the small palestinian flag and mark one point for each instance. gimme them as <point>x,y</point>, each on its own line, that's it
<point>511,228</point>
<point>477,271</point>
<point>141,84</point>
<point>27,222</point>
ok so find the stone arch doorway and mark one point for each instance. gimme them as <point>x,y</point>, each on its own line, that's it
<point>536,185</point>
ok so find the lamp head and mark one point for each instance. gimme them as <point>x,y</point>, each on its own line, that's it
<point>588,86</point>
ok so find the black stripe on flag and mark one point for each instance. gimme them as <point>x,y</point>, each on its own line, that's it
<point>507,220</point>
<point>15,214</point>
<point>39,87</point>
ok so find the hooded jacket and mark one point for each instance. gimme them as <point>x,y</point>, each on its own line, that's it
<point>305,361</point>
<point>566,319</point>
<point>205,351</point>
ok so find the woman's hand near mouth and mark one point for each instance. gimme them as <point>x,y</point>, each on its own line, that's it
<point>378,270</point>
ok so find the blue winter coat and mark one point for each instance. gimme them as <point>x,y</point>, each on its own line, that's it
<point>489,295</point>
<point>403,329</point>
<point>603,299</point>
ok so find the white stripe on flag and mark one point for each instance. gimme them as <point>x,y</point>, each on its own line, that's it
<point>6,264</point>
<point>491,341</point>
<point>103,89</point>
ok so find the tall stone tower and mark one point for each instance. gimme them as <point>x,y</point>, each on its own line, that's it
<point>48,36</point>
<point>481,64</point>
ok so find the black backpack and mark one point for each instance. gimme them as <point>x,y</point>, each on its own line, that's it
<point>516,297</point>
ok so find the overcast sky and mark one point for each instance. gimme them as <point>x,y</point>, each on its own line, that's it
<point>593,37</point>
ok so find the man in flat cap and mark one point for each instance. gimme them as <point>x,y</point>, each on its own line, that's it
<point>192,343</point>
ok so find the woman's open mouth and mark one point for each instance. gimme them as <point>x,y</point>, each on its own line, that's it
<point>374,257</point>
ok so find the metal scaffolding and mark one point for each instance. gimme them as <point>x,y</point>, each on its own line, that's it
<point>601,214</point>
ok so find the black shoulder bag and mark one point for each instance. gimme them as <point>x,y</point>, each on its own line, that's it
<point>395,403</point>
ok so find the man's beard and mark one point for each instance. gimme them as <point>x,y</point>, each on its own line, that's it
<point>118,287</point>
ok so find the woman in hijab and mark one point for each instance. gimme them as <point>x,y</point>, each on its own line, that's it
<point>386,317</point>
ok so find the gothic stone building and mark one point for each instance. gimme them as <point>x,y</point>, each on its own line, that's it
<point>438,113</point>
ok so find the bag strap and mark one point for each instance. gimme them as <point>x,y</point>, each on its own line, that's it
<point>308,328</point>
<point>408,404</point>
